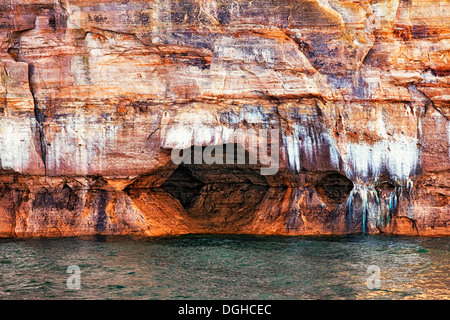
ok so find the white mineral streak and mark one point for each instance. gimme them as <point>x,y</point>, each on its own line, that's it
<point>293,151</point>
<point>188,128</point>
<point>81,143</point>
<point>16,143</point>
<point>177,137</point>
<point>398,157</point>
<point>203,128</point>
<point>304,143</point>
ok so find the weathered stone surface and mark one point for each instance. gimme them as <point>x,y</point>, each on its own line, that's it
<point>94,96</point>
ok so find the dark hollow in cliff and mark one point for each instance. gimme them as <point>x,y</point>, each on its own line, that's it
<point>334,188</point>
<point>184,186</point>
<point>218,195</point>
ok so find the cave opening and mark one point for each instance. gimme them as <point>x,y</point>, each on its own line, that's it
<point>220,195</point>
<point>334,188</point>
<point>183,186</point>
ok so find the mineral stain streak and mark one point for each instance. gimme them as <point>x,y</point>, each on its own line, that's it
<point>95,95</point>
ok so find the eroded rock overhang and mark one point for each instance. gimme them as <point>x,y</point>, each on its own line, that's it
<point>94,96</point>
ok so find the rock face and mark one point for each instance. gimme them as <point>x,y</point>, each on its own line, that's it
<point>96,95</point>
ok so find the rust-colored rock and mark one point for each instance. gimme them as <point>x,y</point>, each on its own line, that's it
<point>95,95</point>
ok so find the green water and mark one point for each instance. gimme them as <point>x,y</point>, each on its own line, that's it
<point>226,267</point>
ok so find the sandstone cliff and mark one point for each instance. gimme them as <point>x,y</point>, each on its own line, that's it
<point>94,96</point>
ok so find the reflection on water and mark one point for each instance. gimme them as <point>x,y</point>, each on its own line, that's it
<point>226,267</point>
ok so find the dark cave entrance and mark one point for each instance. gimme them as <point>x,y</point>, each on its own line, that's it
<point>334,188</point>
<point>219,194</point>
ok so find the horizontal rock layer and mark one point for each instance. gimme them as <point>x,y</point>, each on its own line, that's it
<point>95,96</point>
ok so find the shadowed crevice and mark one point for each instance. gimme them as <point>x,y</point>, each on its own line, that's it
<point>334,188</point>
<point>183,186</point>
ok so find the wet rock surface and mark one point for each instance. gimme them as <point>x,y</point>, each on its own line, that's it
<point>95,95</point>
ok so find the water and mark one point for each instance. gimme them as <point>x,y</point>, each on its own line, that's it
<point>226,267</point>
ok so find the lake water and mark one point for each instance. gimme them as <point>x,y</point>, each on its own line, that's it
<point>226,267</point>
